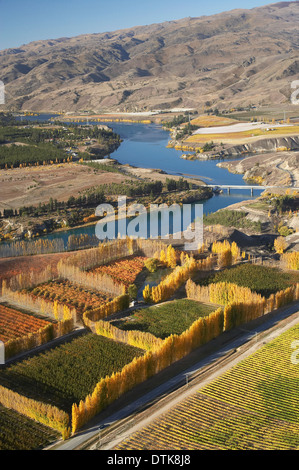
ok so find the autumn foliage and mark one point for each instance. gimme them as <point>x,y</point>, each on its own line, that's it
<point>241,304</point>
<point>91,268</point>
<point>140,369</point>
<point>139,339</point>
<point>227,253</point>
<point>291,260</point>
<point>46,414</point>
<point>170,283</point>
<point>280,245</point>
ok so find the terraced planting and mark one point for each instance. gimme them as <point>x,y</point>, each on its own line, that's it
<point>70,294</point>
<point>66,374</point>
<point>166,319</point>
<point>255,405</point>
<point>20,433</point>
<point>123,271</point>
<point>15,324</point>
<point>261,279</point>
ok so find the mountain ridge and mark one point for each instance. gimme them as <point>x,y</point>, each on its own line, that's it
<point>230,59</point>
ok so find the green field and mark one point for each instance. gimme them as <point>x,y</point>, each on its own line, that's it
<point>20,433</point>
<point>166,319</point>
<point>68,373</point>
<point>231,218</point>
<point>253,406</point>
<point>261,279</point>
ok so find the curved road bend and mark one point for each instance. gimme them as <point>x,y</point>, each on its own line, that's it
<point>256,335</point>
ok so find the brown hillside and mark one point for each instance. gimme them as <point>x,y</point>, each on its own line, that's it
<point>230,59</point>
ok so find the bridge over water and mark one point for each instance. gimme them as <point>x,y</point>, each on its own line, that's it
<point>247,186</point>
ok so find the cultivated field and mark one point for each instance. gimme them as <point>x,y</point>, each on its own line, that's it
<point>15,324</point>
<point>10,267</point>
<point>231,135</point>
<point>70,294</point>
<point>123,271</point>
<point>255,405</point>
<point>261,279</point>
<point>164,320</point>
<point>21,433</point>
<point>210,121</point>
<point>68,373</point>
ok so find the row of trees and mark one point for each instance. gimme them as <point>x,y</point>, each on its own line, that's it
<point>236,313</point>
<point>291,260</point>
<point>31,247</point>
<point>28,279</point>
<point>92,199</point>
<point>167,287</point>
<point>76,267</point>
<point>135,189</point>
<point>43,413</point>
<point>119,303</point>
<point>226,293</point>
<point>170,283</point>
<point>139,339</point>
<point>42,336</point>
<point>221,293</point>
<point>46,246</point>
<point>228,254</point>
<point>90,280</point>
<point>13,290</point>
<point>130,189</point>
<point>26,155</point>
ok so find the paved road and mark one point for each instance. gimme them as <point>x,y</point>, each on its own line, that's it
<point>257,334</point>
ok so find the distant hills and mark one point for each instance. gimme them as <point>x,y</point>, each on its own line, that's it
<point>227,60</point>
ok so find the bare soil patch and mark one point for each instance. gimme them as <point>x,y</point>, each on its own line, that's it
<point>29,186</point>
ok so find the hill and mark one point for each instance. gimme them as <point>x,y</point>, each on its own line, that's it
<point>226,60</point>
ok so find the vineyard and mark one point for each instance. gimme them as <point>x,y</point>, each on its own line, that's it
<point>255,405</point>
<point>261,279</point>
<point>167,319</point>
<point>15,324</point>
<point>70,294</point>
<point>66,374</point>
<point>123,271</point>
<point>21,433</point>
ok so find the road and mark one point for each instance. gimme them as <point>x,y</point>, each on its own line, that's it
<point>122,421</point>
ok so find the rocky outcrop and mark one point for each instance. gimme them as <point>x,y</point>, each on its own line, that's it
<point>264,145</point>
<point>272,168</point>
